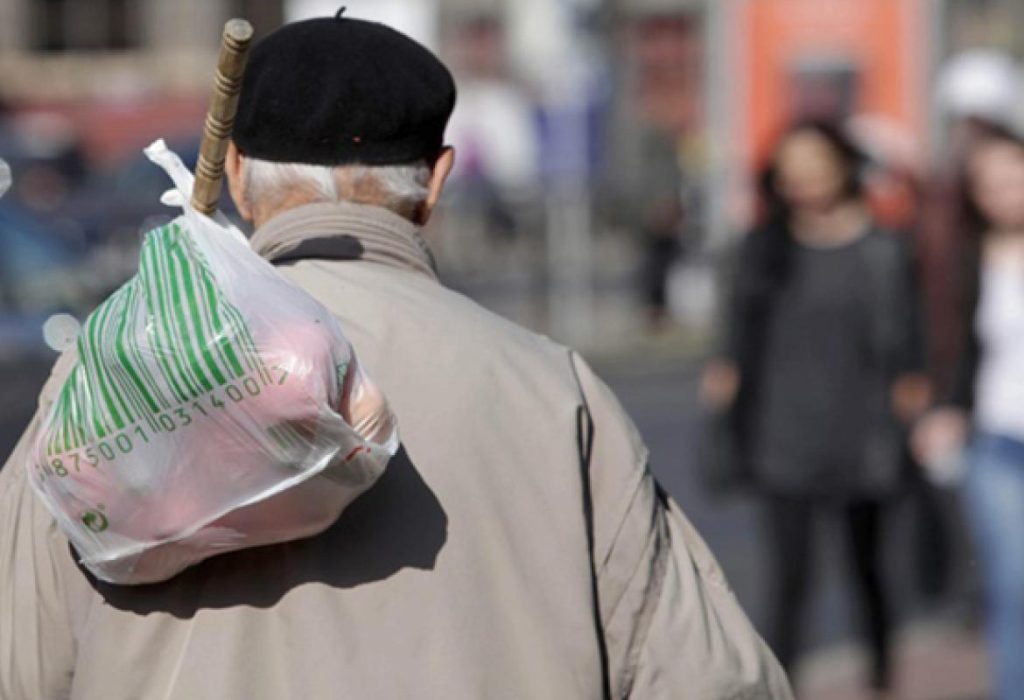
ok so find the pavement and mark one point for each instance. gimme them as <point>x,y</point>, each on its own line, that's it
<point>933,662</point>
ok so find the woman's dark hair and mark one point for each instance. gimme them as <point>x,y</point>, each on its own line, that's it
<point>774,242</point>
<point>851,159</point>
<point>974,221</point>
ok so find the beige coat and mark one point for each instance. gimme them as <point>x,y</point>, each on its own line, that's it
<point>466,572</point>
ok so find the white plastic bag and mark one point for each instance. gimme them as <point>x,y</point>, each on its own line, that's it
<point>210,408</point>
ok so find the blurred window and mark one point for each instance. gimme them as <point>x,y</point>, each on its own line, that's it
<point>85,25</point>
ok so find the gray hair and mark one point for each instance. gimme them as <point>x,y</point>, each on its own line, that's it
<point>400,188</point>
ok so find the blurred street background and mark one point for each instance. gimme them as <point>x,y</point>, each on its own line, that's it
<point>608,157</point>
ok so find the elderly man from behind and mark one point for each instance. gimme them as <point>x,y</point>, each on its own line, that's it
<point>517,547</point>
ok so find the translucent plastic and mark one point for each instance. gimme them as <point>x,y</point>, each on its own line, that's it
<point>5,177</point>
<point>211,406</point>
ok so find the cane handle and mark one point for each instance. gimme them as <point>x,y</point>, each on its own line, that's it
<point>220,118</point>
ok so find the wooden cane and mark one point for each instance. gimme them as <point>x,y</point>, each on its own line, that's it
<point>220,118</point>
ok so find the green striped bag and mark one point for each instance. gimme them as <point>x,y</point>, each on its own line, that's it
<point>202,409</point>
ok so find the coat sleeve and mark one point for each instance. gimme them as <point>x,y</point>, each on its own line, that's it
<point>909,323</point>
<point>730,335</point>
<point>961,393</point>
<point>37,647</point>
<point>672,627</point>
<point>744,293</point>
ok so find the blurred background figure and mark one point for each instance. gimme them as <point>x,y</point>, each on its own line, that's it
<point>655,181</point>
<point>977,91</point>
<point>661,223</point>
<point>988,393</point>
<point>495,134</point>
<point>822,372</point>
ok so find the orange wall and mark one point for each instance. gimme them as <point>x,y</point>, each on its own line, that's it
<point>885,38</point>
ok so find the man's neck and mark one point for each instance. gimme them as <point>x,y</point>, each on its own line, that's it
<point>263,213</point>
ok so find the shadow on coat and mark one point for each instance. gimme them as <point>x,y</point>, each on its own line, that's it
<point>399,523</point>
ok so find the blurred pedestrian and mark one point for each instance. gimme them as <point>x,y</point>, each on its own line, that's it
<point>495,133</point>
<point>820,371</point>
<point>517,546</point>
<point>986,405</point>
<point>977,96</point>
<point>977,93</point>
<point>661,218</point>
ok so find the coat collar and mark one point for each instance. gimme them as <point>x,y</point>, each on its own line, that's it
<point>344,231</point>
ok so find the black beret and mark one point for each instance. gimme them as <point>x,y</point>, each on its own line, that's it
<point>333,91</point>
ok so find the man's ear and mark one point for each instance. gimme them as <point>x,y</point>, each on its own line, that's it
<point>236,181</point>
<point>438,177</point>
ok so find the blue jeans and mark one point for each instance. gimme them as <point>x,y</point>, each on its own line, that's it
<point>995,503</point>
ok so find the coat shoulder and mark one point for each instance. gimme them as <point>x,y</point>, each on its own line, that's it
<point>384,310</point>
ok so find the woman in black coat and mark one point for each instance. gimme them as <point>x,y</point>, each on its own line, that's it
<point>821,370</point>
